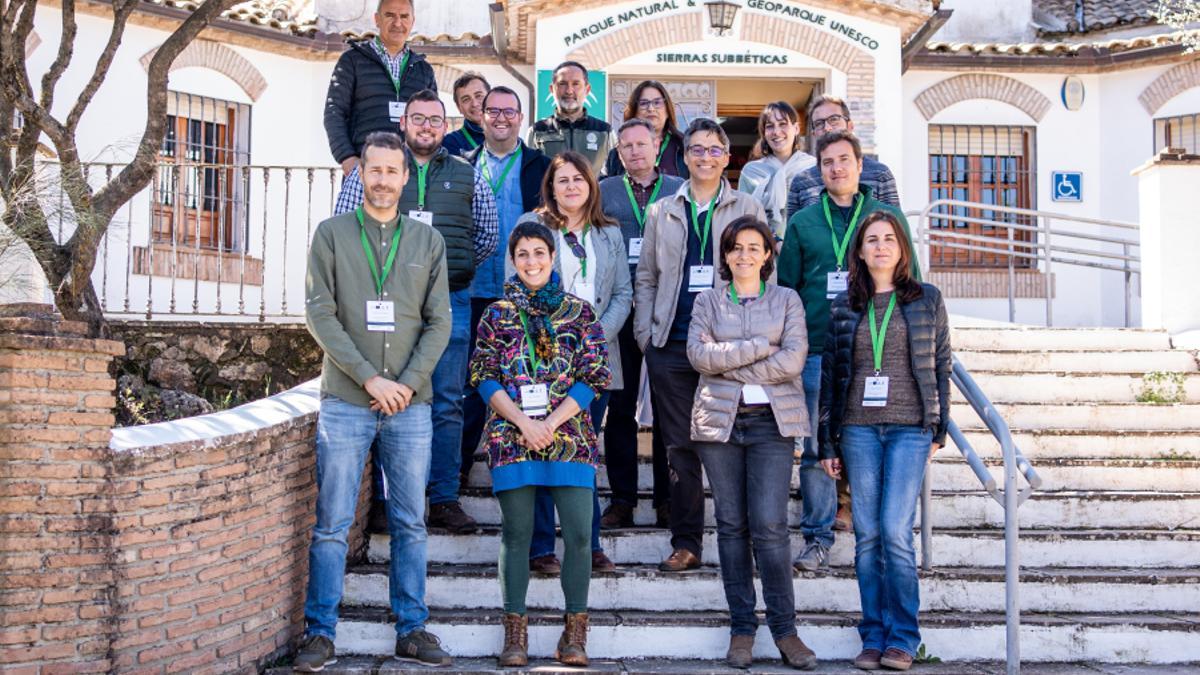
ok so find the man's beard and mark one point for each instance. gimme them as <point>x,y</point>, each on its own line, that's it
<point>422,148</point>
<point>569,106</point>
<point>382,199</point>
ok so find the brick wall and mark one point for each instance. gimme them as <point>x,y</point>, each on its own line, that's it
<point>163,548</point>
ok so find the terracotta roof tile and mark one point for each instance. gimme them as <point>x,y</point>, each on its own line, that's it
<point>1098,15</point>
<point>1064,48</point>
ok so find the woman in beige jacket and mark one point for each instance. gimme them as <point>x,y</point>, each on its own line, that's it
<point>749,342</point>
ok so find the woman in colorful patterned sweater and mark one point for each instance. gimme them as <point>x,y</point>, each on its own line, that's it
<point>540,360</point>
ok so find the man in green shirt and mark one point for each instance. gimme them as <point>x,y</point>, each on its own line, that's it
<point>378,304</point>
<point>814,262</point>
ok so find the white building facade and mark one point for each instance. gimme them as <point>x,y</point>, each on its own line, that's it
<point>1044,105</point>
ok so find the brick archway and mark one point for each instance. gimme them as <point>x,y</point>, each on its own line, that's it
<point>1169,85</point>
<point>445,76</point>
<point>218,57</point>
<point>858,66</point>
<point>978,85</point>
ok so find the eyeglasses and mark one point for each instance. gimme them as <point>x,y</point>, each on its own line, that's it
<point>435,121</point>
<point>506,113</point>
<point>652,103</point>
<point>818,125</point>
<point>699,151</point>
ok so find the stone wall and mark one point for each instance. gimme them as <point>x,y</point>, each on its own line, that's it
<point>162,548</point>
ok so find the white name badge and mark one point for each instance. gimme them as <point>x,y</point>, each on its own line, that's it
<point>535,400</point>
<point>381,316</point>
<point>836,282</point>
<point>423,216</point>
<point>700,277</point>
<point>875,393</point>
<point>585,290</point>
<point>396,110</point>
<point>635,250</point>
<point>753,394</point>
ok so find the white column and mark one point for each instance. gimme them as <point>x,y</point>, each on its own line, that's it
<point>1170,234</point>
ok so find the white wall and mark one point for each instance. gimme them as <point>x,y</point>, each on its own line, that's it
<point>980,21</point>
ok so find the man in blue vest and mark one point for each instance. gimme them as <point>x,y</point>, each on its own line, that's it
<point>514,174</point>
<point>372,82</point>
<point>469,91</point>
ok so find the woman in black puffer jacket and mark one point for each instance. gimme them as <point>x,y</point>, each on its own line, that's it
<point>885,405</point>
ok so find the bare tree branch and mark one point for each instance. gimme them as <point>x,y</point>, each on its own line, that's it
<point>121,12</point>
<point>66,48</point>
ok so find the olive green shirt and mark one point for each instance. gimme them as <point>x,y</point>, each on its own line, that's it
<point>339,285</point>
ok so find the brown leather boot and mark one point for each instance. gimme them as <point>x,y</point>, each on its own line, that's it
<point>572,646</point>
<point>516,641</point>
<point>741,651</point>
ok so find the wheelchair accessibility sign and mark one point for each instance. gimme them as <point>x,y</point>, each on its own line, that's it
<point>1066,186</point>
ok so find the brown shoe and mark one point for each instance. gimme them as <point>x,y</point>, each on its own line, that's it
<point>795,653</point>
<point>843,521</point>
<point>545,564</point>
<point>895,659</point>
<point>680,560</point>
<point>616,515</point>
<point>662,515</point>
<point>741,651</point>
<point>572,646</point>
<point>602,563</point>
<point>450,516</point>
<point>868,659</point>
<point>516,641</point>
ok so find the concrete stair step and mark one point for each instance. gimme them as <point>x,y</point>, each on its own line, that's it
<point>1031,360</point>
<point>693,643</point>
<point>952,548</point>
<point>962,589</point>
<point>1039,445</point>
<point>972,509</point>
<point>1030,338</point>
<point>1092,416</point>
<point>1050,388</point>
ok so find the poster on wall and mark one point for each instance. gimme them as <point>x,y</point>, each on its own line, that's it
<point>596,102</point>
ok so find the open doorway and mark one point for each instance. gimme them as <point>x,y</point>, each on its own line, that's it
<point>739,102</point>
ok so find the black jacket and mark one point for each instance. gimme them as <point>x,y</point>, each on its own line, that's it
<point>359,93</point>
<point>929,345</point>
<point>534,164</point>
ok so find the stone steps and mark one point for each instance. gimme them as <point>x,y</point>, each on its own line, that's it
<point>1092,416</point>
<point>694,641</point>
<point>1030,338</point>
<point>953,548</point>
<point>1049,388</point>
<point>1031,360</point>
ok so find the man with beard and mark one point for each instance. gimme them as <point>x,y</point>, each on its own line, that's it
<point>570,127</point>
<point>377,304</point>
<point>469,90</point>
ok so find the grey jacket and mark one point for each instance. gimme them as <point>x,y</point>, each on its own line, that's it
<point>664,254</point>
<point>762,342</point>
<point>614,292</point>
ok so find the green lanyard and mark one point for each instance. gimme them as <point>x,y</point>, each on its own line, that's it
<point>663,150</point>
<point>391,256</point>
<point>878,334</point>
<point>583,246</point>
<point>487,170</point>
<point>533,359</point>
<point>762,288</point>
<point>467,134</point>
<point>403,67</point>
<point>422,170</point>
<point>703,236</point>
<point>638,213</point>
<point>840,251</point>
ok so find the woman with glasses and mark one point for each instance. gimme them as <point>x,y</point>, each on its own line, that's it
<point>593,267</point>
<point>776,160</point>
<point>651,102</point>
<point>748,341</point>
<point>885,404</point>
<point>540,360</point>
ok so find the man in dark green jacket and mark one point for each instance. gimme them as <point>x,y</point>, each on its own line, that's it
<point>813,262</point>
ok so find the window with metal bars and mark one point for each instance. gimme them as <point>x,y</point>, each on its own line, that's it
<point>1181,131</point>
<point>200,192</point>
<point>984,165</point>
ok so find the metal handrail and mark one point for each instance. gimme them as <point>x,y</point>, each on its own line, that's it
<point>1010,497</point>
<point>1044,250</point>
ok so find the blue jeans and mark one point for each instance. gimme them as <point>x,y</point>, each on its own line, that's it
<point>449,378</point>
<point>886,464</point>
<point>750,477</point>
<point>817,490</point>
<point>543,504</point>
<point>345,433</point>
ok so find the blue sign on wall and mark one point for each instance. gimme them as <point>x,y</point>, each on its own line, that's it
<point>1066,186</point>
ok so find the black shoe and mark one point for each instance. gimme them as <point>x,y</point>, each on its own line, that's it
<point>377,517</point>
<point>316,652</point>
<point>616,515</point>
<point>662,515</point>
<point>422,647</point>
<point>450,516</point>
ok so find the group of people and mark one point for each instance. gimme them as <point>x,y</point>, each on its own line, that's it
<point>479,290</point>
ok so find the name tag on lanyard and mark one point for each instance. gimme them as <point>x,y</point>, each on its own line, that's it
<point>635,250</point>
<point>535,400</point>
<point>754,394</point>
<point>836,282</point>
<point>586,291</point>
<point>875,393</point>
<point>381,316</point>
<point>700,277</point>
<point>396,110</point>
<point>423,216</point>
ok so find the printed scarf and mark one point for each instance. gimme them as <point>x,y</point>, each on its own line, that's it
<point>539,306</point>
